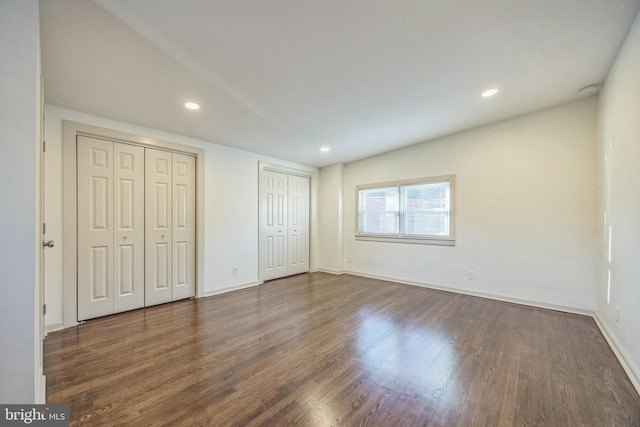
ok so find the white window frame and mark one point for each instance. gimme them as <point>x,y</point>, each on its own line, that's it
<point>404,238</point>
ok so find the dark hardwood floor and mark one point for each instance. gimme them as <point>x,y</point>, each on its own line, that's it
<point>323,350</point>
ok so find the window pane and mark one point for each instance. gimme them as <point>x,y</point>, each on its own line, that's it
<point>426,209</point>
<point>379,211</point>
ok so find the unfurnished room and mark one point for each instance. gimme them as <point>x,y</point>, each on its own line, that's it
<point>320,213</point>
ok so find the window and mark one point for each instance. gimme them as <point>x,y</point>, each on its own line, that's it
<point>415,211</point>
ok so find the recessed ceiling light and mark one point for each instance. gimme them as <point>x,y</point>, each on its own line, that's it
<point>325,149</point>
<point>489,92</point>
<point>192,105</point>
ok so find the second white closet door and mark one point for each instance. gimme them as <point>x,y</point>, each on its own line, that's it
<point>298,229</point>
<point>128,227</point>
<point>158,227</point>
<point>170,227</point>
<point>184,227</point>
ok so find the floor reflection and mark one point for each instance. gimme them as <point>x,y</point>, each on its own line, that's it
<point>420,357</point>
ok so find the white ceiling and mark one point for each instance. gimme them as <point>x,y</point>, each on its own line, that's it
<point>285,77</point>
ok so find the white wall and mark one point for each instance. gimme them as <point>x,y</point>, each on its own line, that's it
<point>619,204</point>
<point>525,210</point>
<point>20,344</point>
<point>231,207</point>
<point>330,219</point>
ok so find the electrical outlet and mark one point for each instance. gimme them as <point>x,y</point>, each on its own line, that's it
<point>617,314</point>
<point>235,271</point>
<point>471,275</point>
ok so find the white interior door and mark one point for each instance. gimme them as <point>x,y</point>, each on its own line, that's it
<point>298,214</point>
<point>128,256</point>
<point>184,230</point>
<point>110,227</point>
<point>158,226</point>
<point>95,227</point>
<point>273,231</point>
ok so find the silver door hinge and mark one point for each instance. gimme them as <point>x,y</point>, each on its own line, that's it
<point>44,309</point>
<point>44,228</point>
<point>44,146</point>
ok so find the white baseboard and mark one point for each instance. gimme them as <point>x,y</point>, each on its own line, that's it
<point>54,327</point>
<point>232,288</point>
<point>627,364</point>
<point>505,298</point>
<point>330,271</point>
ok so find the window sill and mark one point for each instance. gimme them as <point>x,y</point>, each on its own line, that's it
<point>445,241</point>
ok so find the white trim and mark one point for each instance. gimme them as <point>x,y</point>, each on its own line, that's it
<point>273,167</point>
<point>497,297</point>
<point>399,239</point>
<point>54,327</point>
<point>232,288</point>
<point>329,271</point>
<point>70,130</point>
<point>627,363</point>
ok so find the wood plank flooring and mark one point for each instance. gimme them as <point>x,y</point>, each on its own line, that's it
<point>325,350</point>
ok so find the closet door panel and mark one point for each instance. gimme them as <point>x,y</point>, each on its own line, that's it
<point>184,230</point>
<point>128,227</point>
<point>158,226</point>
<point>298,228</point>
<point>274,224</point>
<point>95,227</point>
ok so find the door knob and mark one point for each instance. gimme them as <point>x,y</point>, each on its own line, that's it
<point>48,244</point>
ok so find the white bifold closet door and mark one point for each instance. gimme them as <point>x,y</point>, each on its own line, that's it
<point>110,227</point>
<point>170,227</point>
<point>298,228</point>
<point>136,227</point>
<point>285,224</point>
<point>274,224</point>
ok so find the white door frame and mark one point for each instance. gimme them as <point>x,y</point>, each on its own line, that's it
<point>311,174</point>
<point>41,379</point>
<point>70,131</point>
